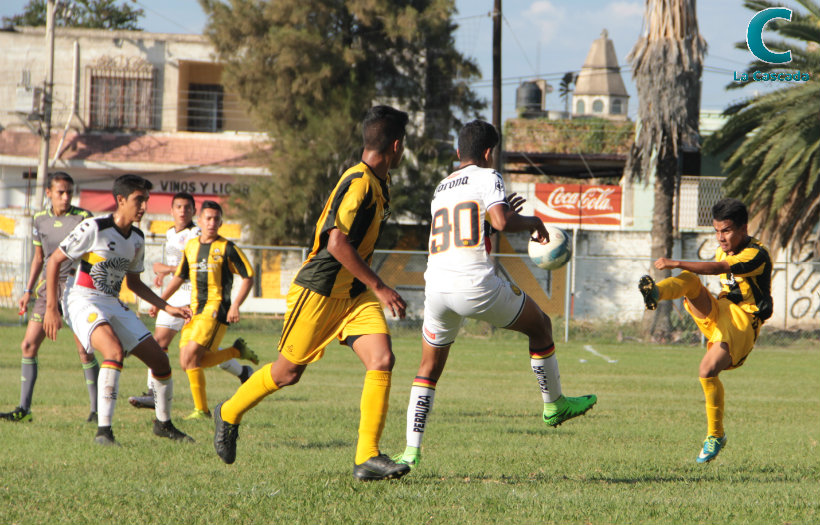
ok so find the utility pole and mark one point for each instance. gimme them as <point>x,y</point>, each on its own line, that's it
<point>48,87</point>
<point>497,82</point>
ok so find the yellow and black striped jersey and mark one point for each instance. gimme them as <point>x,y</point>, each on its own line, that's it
<point>210,268</point>
<point>749,281</point>
<point>357,207</point>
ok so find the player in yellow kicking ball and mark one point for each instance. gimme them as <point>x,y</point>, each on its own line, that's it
<point>336,295</point>
<point>731,322</point>
<point>209,262</point>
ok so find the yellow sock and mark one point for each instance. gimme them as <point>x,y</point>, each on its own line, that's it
<point>713,392</point>
<point>375,397</point>
<point>686,284</point>
<point>220,356</point>
<point>196,377</point>
<point>252,391</point>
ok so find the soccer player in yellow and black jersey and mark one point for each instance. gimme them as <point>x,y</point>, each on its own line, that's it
<point>209,262</point>
<point>336,295</point>
<point>731,322</point>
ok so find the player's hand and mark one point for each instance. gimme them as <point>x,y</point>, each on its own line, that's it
<point>23,303</point>
<point>663,263</point>
<point>181,312</point>
<point>516,202</point>
<point>52,323</point>
<point>391,300</point>
<point>233,314</point>
<point>152,311</point>
<point>539,232</point>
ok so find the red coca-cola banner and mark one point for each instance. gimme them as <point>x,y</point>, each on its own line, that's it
<point>578,204</point>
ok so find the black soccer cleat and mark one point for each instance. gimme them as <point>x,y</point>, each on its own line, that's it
<point>246,374</point>
<point>18,415</point>
<point>649,291</point>
<point>166,429</point>
<point>225,436</point>
<point>378,468</point>
<point>92,417</point>
<point>105,437</point>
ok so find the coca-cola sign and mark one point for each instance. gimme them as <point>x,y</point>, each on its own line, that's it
<point>578,204</point>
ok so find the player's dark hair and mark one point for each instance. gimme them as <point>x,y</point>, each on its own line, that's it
<point>127,184</point>
<point>185,195</point>
<point>58,175</point>
<point>211,205</point>
<point>730,210</point>
<point>383,125</point>
<point>475,138</point>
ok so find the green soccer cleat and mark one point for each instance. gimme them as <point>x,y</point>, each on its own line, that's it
<point>166,429</point>
<point>225,436</point>
<point>410,457</point>
<point>711,448</point>
<point>105,437</point>
<point>650,292</point>
<point>566,408</point>
<point>244,352</point>
<point>18,415</point>
<point>378,468</point>
<point>198,414</point>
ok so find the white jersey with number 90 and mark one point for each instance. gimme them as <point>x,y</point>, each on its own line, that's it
<point>457,259</point>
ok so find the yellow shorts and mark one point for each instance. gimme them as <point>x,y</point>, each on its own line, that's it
<point>730,324</point>
<point>204,330</point>
<point>312,321</point>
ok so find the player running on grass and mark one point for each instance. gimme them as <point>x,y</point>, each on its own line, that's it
<point>731,322</point>
<point>50,228</point>
<point>208,263</point>
<point>336,295</point>
<point>460,282</point>
<point>183,208</point>
<point>110,249</point>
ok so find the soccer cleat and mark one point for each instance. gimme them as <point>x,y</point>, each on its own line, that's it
<point>92,417</point>
<point>711,448</point>
<point>650,292</point>
<point>105,437</point>
<point>225,436</point>
<point>166,429</point>
<point>198,414</point>
<point>378,468</point>
<point>244,352</point>
<point>566,408</point>
<point>246,374</point>
<point>18,415</point>
<point>411,457</point>
<point>146,400</point>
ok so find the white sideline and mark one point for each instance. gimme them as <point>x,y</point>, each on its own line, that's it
<point>592,351</point>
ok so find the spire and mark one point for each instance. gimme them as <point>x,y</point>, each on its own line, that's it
<point>601,74</point>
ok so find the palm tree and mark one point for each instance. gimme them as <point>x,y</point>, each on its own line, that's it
<point>776,167</point>
<point>565,88</point>
<point>667,62</point>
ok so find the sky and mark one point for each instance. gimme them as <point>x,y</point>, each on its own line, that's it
<point>540,39</point>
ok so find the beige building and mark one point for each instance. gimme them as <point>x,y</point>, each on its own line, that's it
<point>599,89</point>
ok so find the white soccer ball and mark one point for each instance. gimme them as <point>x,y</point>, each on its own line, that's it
<point>555,253</point>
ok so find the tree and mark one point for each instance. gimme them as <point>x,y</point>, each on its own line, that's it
<point>308,70</point>
<point>565,88</point>
<point>95,14</point>
<point>773,140</point>
<point>667,62</point>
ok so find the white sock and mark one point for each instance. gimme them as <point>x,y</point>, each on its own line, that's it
<point>422,394</point>
<point>150,381</point>
<point>232,366</point>
<point>108,386</point>
<point>163,394</point>
<point>549,379</point>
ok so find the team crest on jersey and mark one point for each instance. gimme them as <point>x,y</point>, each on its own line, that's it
<point>217,255</point>
<point>107,275</point>
<point>92,317</point>
<point>516,290</point>
<point>58,224</point>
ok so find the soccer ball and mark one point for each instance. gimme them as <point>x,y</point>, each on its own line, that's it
<point>555,253</point>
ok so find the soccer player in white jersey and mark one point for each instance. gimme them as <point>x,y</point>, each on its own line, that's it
<point>110,249</point>
<point>167,326</point>
<point>460,282</point>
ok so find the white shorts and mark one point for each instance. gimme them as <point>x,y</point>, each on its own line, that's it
<point>169,321</point>
<point>87,313</point>
<point>500,305</point>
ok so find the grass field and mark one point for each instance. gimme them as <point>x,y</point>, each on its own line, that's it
<point>487,457</point>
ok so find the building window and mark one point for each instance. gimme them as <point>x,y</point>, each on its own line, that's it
<point>579,107</point>
<point>616,107</point>
<point>597,106</point>
<point>205,107</point>
<point>122,94</point>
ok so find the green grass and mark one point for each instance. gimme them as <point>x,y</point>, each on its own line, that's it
<point>487,456</point>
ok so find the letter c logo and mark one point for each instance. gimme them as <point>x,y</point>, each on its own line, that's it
<point>754,35</point>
